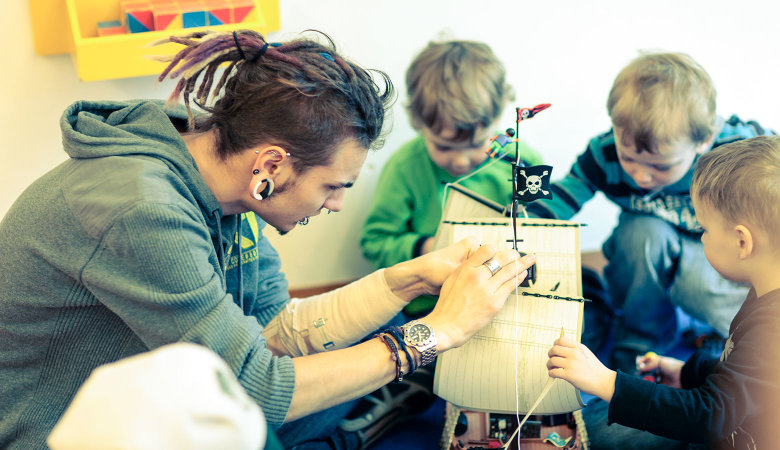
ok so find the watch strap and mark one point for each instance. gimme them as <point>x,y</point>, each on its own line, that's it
<point>428,356</point>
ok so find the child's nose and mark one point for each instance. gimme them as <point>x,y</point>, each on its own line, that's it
<point>642,175</point>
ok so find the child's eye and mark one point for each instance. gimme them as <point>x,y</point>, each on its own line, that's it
<point>661,168</point>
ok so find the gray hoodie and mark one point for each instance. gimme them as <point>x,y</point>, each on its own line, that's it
<point>121,249</point>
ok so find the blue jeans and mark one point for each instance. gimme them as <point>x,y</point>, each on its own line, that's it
<point>320,431</point>
<point>654,268</point>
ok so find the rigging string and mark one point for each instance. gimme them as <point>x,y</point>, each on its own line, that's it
<point>515,205</point>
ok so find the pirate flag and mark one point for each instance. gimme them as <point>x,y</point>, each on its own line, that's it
<point>527,113</point>
<point>532,183</point>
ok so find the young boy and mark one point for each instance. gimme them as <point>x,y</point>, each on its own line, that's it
<point>733,401</point>
<point>662,107</point>
<point>457,91</point>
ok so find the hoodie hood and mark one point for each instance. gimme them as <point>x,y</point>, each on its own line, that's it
<point>96,129</point>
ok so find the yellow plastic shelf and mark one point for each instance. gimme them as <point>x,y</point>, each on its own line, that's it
<point>70,26</point>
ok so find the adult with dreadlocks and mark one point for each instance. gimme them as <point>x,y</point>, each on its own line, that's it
<point>157,240</point>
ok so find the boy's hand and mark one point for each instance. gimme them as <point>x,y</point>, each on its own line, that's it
<point>575,363</point>
<point>668,368</point>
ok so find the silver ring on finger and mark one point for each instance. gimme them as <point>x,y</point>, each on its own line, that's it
<point>492,265</point>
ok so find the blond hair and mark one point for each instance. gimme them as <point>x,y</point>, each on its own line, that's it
<point>456,84</point>
<point>659,98</point>
<point>741,180</point>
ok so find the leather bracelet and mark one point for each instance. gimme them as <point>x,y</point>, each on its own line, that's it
<point>398,335</point>
<point>387,339</point>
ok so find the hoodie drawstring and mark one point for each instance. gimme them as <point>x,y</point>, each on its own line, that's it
<point>239,225</point>
<point>225,263</point>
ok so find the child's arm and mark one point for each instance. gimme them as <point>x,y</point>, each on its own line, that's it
<point>575,363</point>
<point>737,392</point>
<point>586,177</point>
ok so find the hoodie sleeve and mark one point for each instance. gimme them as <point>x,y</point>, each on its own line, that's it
<point>155,269</point>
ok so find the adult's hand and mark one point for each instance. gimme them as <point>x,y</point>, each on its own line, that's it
<point>426,274</point>
<point>472,295</point>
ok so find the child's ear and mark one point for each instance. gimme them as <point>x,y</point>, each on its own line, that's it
<point>745,241</point>
<point>706,145</point>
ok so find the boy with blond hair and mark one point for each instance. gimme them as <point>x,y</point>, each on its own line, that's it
<point>662,107</point>
<point>731,402</point>
<point>457,91</point>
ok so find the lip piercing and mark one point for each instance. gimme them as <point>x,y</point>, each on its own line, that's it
<point>303,221</point>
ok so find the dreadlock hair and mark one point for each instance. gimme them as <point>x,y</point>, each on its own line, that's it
<point>299,95</point>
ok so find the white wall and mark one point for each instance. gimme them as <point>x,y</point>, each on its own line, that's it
<point>564,52</point>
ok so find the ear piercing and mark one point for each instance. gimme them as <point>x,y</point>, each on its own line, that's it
<point>269,188</point>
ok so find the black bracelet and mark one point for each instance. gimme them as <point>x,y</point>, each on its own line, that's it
<point>399,336</point>
<point>386,338</point>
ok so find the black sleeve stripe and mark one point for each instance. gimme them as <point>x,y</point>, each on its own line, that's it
<point>538,209</point>
<point>610,154</point>
<point>585,183</point>
<point>565,196</point>
<point>590,168</point>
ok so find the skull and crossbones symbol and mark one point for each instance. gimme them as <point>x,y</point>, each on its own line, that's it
<point>533,183</point>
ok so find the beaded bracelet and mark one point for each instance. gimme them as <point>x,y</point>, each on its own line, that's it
<point>396,333</point>
<point>387,339</point>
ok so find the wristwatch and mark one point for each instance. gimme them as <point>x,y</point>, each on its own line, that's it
<point>422,337</point>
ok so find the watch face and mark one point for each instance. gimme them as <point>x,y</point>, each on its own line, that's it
<point>419,333</point>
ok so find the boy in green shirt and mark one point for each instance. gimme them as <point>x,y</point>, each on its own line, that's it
<point>456,93</point>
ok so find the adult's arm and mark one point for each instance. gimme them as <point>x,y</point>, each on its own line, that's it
<point>334,319</point>
<point>341,317</point>
<point>469,299</point>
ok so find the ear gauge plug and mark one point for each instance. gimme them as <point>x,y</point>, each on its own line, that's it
<point>255,172</point>
<point>269,188</point>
